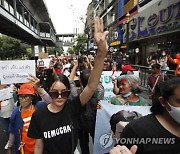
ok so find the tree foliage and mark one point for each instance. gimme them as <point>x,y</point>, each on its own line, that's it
<point>10,48</point>
<point>54,51</point>
<point>81,44</point>
<point>70,50</point>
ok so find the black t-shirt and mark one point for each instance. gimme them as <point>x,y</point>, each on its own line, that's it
<point>58,130</point>
<point>151,136</point>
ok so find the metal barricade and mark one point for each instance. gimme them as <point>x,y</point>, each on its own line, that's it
<point>145,71</point>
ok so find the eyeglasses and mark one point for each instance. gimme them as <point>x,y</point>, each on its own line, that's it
<point>23,97</point>
<point>55,94</point>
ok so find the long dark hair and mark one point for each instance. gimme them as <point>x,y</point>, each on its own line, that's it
<point>166,89</point>
<point>84,76</point>
<point>58,77</point>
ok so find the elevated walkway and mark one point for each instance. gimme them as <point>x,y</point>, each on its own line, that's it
<point>19,19</point>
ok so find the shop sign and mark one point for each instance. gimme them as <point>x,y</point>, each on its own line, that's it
<point>115,35</point>
<point>115,43</point>
<point>111,49</point>
<point>155,18</point>
<point>165,20</point>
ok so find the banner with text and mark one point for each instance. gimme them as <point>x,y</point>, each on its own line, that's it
<point>107,82</point>
<point>110,118</point>
<point>16,71</point>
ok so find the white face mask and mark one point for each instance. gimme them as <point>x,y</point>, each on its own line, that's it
<point>127,94</point>
<point>175,113</point>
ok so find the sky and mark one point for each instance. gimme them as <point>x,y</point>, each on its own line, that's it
<point>66,14</point>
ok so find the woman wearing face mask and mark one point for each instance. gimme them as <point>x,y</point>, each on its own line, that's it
<point>159,132</point>
<point>126,89</point>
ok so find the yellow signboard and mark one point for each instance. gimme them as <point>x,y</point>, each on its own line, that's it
<point>115,43</point>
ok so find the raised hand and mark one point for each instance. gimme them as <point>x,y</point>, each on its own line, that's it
<point>100,36</point>
<point>35,80</point>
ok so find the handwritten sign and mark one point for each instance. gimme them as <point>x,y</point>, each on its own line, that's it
<point>16,71</point>
<point>5,93</point>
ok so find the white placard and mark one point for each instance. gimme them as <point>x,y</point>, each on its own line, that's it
<point>46,62</point>
<point>5,93</point>
<point>16,71</point>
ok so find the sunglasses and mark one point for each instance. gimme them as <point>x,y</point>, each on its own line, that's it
<point>55,94</point>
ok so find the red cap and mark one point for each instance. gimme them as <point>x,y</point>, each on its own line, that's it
<point>26,89</point>
<point>127,68</point>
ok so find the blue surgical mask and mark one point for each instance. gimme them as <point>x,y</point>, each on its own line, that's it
<point>175,113</point>
<point>127,94</point>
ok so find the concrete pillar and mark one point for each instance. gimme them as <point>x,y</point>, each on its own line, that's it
<point>45,49</point>
<point>41,48</point>
<point>33,50</point>
<point>36,49</point>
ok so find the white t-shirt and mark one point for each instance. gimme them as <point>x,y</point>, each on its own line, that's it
<point>7,107</point>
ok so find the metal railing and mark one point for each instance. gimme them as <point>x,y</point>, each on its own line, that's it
<point>144,71</point>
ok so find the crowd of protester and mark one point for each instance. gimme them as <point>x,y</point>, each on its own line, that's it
<point>63,98</point>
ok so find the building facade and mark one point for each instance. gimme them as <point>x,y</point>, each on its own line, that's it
<point>152,25</point>
<point>108,10</point>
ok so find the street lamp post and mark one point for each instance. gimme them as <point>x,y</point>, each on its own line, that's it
<point>127,32</point>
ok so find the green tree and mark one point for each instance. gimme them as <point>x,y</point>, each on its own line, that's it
<point>10,48</point>
<point>70,50</point>
<point>81,44</point>
<point>54,50</point>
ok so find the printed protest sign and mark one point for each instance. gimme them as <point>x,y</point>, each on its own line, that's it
<point>16,71</point>
<point>107,82</point>
<point>45,62</point>
<point>104,139</point>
